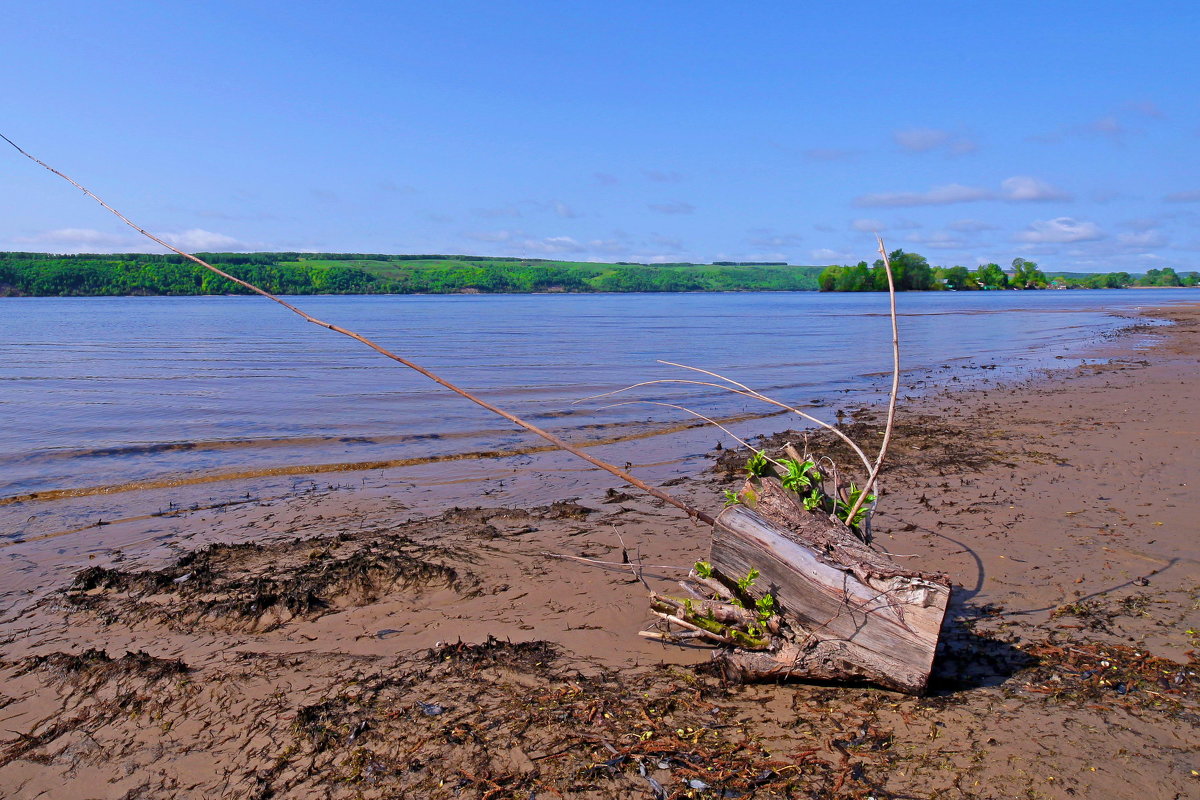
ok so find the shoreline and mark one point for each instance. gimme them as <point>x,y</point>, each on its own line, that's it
<point>1061,507</point>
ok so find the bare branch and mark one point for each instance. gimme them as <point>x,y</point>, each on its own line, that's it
<point>744,392</point>
<point>698,415</point>
<point>891,416</point>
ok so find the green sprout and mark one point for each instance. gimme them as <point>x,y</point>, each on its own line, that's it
<point>745,583</point>
<point>757,465</point>
<point>799,475</point>
<point>843,509</point>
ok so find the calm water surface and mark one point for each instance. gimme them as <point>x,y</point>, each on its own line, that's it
<point>117,392</point>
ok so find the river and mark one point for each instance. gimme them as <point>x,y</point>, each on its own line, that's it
<point>104,396</point>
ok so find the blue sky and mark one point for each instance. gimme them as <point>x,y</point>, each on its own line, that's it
<point>1062,132</point>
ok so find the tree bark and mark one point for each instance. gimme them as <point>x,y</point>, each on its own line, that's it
<point>848,612</point>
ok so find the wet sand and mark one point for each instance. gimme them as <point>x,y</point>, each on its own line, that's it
<point>344,642</point>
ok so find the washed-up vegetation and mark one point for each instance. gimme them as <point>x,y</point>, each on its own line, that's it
<point>252,586</point>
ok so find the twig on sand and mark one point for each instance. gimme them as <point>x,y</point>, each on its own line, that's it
<point>619,564</point>
<point>635,565</point>
<point>694,513</point>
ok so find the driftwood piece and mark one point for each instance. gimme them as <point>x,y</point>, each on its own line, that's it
<point>850,612</point>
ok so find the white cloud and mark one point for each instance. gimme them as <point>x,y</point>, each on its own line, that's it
<point>565,211</point>
<point>1141,224</point>
<point>868,225</point>
<point>520,243</point>
<point>1103,195</point>
<point>1059,230</point>
<point>826,256</point>
<point>830,154</point>
<point>970,226</point>
<point>71,239</point>
<point>936,240</point>
<point>79,240</point>
<point>1025,189</point>
<point>937,196</point>
<point>1146,108</point>
<point>663,176</point>
<point>678,207</point>
<point>200,239</point>
<point>768,238</point>
<point>490,236</point>
<point>1183,197</point>
<point>668,242</point>
<point>1111,126</point>
<point>924,140</point>
<point>1141,240</point>
<point>1107,126</point>
<point>1017,189</point>
<point>500,211</point>
<point>388,185</point>
<point>552,245</point>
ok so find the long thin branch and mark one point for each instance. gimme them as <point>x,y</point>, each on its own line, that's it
<point>529,426</point>
<point>891,415</point>
<point>744,392</point>
<point>760,396</point>
<point>698,415</point>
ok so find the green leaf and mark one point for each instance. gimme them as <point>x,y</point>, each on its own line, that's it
<point>745,583</point>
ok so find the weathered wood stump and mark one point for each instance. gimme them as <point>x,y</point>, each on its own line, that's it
<point>846,612</point>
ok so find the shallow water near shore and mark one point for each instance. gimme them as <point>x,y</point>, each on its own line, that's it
<point>101,397</point>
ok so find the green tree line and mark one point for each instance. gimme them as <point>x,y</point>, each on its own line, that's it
<point>42,275</point>
<point>912,272</point>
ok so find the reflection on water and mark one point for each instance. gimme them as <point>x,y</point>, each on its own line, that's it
<point>97,393</point>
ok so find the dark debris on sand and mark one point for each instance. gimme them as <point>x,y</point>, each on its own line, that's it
<point>509,720</point>
<point>261,586</point>
<point>1071,670</point>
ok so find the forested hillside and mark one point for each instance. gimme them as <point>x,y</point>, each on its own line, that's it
<point>43,275</point>
<point>39,274</point>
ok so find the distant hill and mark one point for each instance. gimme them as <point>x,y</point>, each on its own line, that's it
<point>43,274</point>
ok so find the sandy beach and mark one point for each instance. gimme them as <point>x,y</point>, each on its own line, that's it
<point>338,644</point>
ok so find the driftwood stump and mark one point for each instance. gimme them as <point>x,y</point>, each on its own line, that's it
<point>846,612</point>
